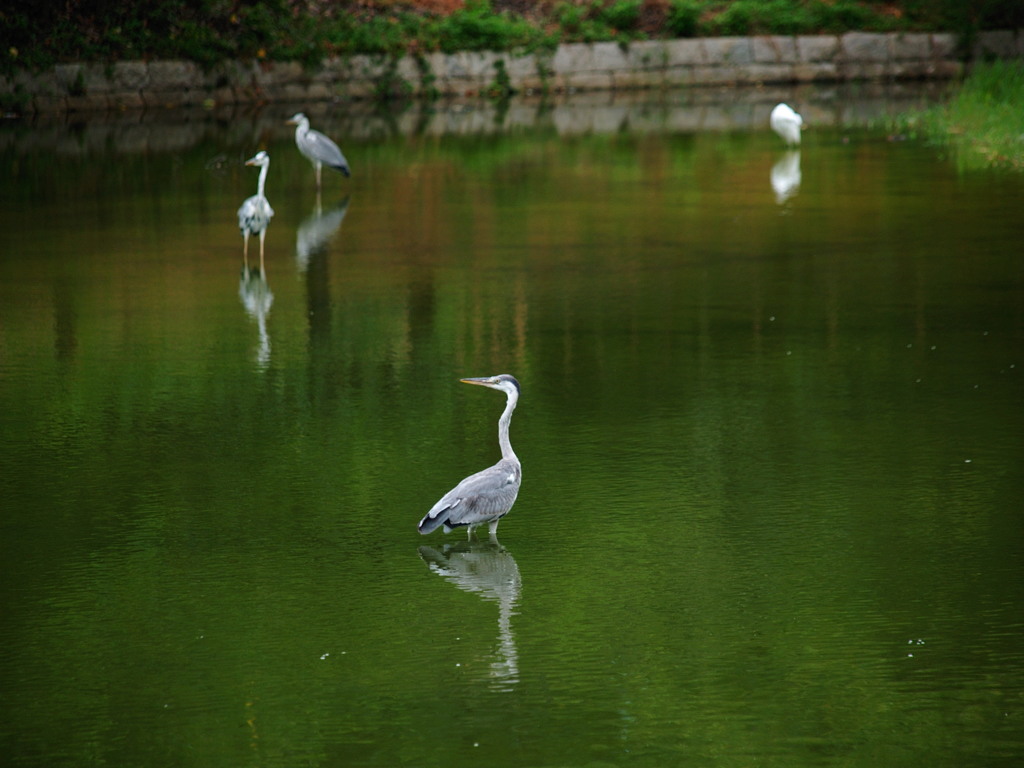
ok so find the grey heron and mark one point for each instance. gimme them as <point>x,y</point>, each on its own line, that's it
<point>787,123</point>
<point>317,148</point>
<point>255,213</point>
<point>488,495</point>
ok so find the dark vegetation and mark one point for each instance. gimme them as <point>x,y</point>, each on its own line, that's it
<point>38,34</point>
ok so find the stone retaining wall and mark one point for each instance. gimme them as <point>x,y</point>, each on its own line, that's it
<point>575,66</point>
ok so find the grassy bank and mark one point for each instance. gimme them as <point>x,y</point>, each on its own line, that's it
<point>207,31</point>
<point>983,124</point>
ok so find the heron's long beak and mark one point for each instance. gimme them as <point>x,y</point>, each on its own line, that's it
<point>250,162</point>
<point>486,380</point>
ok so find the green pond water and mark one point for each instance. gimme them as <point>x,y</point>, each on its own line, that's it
<point>772,510</point>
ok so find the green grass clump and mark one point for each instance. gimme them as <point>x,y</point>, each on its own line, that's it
<point>983,122</point>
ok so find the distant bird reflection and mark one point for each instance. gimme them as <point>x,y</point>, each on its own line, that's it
<point>489,570</point>
<point>316,231</point>
<point>785,176</point>
<point>255,213</point>
<point>254,291</point>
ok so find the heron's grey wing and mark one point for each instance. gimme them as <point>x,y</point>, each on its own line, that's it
<point>481,497</point>
<point>326,151</point>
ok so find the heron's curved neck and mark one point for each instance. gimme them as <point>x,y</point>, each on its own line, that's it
<point>506,417</point>
<point>263,179</point>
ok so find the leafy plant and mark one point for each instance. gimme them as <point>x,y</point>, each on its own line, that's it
<point>683,18</point>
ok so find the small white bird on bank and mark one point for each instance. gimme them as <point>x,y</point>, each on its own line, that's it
<point>787,123</point>
<point>255,213</point>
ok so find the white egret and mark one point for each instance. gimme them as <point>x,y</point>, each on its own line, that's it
<point>787,123</point>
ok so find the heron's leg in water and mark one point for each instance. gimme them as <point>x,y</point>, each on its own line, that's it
<point>493,527</point>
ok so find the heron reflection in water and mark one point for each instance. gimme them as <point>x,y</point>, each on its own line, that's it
<point>316,231</point>
<point>255,213</point>
<point>785,176</point>
<point>488,495</point>
<point>257,298</point>
<point>489,570</point>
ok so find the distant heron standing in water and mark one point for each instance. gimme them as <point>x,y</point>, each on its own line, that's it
<point>317,148</point>
<point>255,214</point>
<point>488,495</point>
<point>787,123</point>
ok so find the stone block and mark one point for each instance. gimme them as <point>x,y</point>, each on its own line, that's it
<point>947,69</point>
<point>774,49</point>
<point>709,75</point>
<point>520,67</point>
<point>647,55</point>
<point>126,100</point>
<point>585,81</point>
<point>910,46</point>
<point>817,48</point>
<point>167,99</point>
<point>728,51</point>
<point>912,70</point>
<point>130,76</point>
<point>944,46</point>
<point>334,69</point>
<point>49,103</point>
<point>572,58</point>
<point>608,57</point>
<point>685,53</point>
<point>631,79</point>
<point>679,76</point>
<point>222,96</point>
<point>408,70</point>
<point>171,75</point>
<point>769,73</point>
<point>822,71</point>
<point>863,70</point>
<point>277,74</point>
<point>865,47</point>
<point>69,76</point>
<point>97,78</point>
<point>474,66</point>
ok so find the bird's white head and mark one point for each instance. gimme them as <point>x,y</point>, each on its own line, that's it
<point>261,158</point>
<point>298,119</point>
<point>503,381</point>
